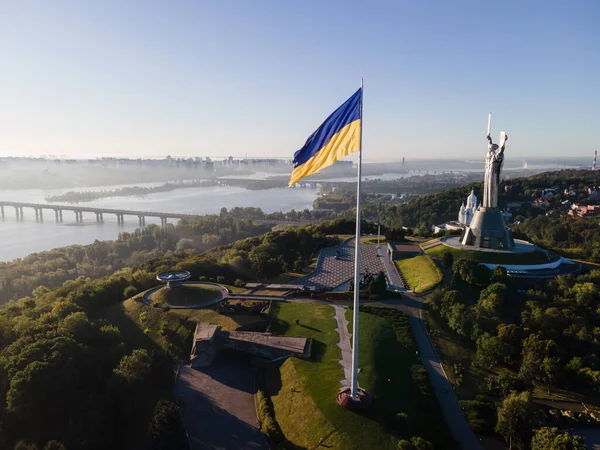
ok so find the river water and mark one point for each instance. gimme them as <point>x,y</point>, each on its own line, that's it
<point>18,239</point>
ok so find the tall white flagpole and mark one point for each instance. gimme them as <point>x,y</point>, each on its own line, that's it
<point>354,380</point>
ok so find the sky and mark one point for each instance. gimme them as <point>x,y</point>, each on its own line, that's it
<point>256,77</point>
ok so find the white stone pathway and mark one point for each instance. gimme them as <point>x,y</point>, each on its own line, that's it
<point>344,344</point>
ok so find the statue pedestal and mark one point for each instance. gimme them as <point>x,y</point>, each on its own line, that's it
<point>488,230</point>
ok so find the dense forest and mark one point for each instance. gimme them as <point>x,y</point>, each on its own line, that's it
<point>73,376</point>
<point>50,269</point>
<point>547,336</point>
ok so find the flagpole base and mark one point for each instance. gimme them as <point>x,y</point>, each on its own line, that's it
<point>360,402</point>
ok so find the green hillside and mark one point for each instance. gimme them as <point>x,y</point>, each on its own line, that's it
<point>437,208</point>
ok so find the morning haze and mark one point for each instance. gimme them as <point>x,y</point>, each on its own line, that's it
<point>147,79</point>
<point>212,238</point>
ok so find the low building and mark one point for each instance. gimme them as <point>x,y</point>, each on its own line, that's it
<point>209,340</point>
<point>584,210</point>
<point>448,226</point>
<point>404,250</point>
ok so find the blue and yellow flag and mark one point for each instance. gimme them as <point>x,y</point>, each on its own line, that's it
<point>336,138</point>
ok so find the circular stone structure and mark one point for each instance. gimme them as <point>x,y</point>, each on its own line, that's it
<point>519,246</point>
<point>173,278</point>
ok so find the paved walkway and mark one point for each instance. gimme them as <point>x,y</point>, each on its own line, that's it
<point>459,427</point>
<point>218,405</point>
<point>394,280</point>
<point>331,272</point>
<point>344,345</point>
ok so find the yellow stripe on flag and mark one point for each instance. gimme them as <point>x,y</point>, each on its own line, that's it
<point>344,142</point>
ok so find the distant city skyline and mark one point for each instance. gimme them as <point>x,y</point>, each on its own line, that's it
<point>219,79</point>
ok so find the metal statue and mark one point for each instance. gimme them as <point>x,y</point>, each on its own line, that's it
<point>493,165</point>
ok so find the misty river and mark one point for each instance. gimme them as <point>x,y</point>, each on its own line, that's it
<point>18,239</point>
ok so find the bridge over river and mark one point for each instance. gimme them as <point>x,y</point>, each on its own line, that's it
<point>99,212</point>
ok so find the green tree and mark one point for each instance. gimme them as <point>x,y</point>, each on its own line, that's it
<point>459,319</point>
<point>514,420</point>
<point>499,275</point>
<point>394,234</point>
<point>130,291</point>
<point>447,259</point>
<point>547,438</point>
<point>134,367</point>
<point>378,285</point>
<point>54,445</point>
<point>166,429</point>
<point>490,350</point>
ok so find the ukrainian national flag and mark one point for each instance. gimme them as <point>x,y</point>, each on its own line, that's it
<point>336,138</point>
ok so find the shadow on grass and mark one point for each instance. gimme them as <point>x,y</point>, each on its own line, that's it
<point>317,350</point>
<point>278,326</point>
<point>310,328</point>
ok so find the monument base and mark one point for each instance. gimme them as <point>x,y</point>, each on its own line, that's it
<point>488,230</point>
<point>362,401</point>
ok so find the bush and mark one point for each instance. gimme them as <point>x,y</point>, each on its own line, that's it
<point>166,429</point>
<point>266,413</point>
<point>220,279</point>
<point>480,413</point>
<point>240,283</point>
<point>130,291</point>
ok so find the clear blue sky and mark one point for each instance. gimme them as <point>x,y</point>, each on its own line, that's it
<point>256,77</point>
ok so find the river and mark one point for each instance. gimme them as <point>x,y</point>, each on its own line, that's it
<point>18,239</point>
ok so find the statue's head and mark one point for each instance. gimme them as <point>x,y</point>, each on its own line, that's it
<point>494,147</point>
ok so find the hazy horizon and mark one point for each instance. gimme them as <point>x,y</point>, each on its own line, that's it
<point>145,79</point>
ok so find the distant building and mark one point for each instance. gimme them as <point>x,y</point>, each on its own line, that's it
<point>466,212</point>
<point>583,210</point>
<point>594,192</point>
<point>448,226</point>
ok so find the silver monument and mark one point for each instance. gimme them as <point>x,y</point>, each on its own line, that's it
<point>493,165</point>
<point>487,228</point>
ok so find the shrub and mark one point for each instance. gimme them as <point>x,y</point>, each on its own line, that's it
<point>240,283</point>
<point>220,279</point>
<point>130,291</point>
<point>481,414</point>
<point>266,413</point>
<point>166,429</point>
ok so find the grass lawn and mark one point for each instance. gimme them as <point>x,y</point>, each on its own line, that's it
<point>234,289</point>
<point>189,294</point>
<point>210,315</point>
<point>537,257</point>
<point>278,292</point>
<point>430,242</point>
<point>419,239</point>
<point>420,272</point>
<point>373,240</point>
<point>385,372</point>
